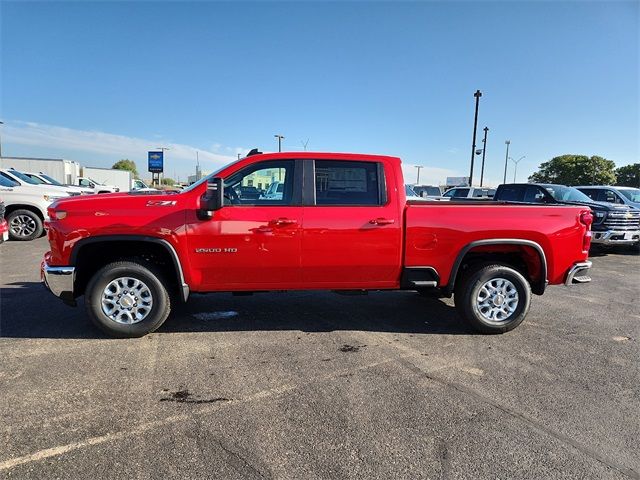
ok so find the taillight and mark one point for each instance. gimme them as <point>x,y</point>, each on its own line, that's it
<point>586,218</point>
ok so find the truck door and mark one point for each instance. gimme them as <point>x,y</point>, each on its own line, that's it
<point>352,236</point>
<point>253,241</point>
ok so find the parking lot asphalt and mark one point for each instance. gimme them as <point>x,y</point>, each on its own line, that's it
<point>317,385</point>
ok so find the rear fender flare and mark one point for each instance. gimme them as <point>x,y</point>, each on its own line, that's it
<point>538,288</point>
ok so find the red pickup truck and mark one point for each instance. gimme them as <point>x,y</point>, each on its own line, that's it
<point>335,222</point>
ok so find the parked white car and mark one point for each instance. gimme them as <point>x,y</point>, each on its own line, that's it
<point>274,192</point>
<point>26,207</point>
<point>44,179</point>
<point>26,181</point>
<point>138,185</point>
<point>469,193</point>
<point>96,186</point>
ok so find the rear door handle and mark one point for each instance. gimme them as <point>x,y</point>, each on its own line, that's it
<point>382,221</point>
<point>281,222</point>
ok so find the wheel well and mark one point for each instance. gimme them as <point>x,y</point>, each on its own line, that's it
<point>31,208</point>
<point>93,256</point>
<point>523,258</point>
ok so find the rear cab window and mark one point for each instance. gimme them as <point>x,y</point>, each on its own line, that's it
<point>349,183</point>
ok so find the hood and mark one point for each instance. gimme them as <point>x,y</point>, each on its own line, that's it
<point>602,206</point>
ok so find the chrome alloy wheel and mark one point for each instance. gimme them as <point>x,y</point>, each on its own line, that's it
<point>497,300</point>
<point>23,226</point>
<point>127,300</point>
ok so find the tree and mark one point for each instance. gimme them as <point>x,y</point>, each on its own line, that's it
<point>576,170</point>
<point>168,181</point>
<point>629,175</point>
<point>126,164</point>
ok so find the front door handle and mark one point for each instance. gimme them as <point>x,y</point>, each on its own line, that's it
<point>281,222</point>
<point>382,221</point>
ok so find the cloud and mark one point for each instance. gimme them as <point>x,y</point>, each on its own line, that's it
<point>102,143</point>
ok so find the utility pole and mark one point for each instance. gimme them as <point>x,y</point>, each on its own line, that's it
<point>1,123</point>
<point>484,151</point>
<point>515,170</point>
<point>418,179</point>
<point>506,160</point>
<point>280,138</point>
<point>477,96</point>
<point>163,149</point>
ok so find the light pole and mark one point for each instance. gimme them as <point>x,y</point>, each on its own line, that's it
<point>418,179</point>
<point>162,149</point>
<point>1,123</point>
<point>506,160</point>
<point>280,138</point>
<point>515,170</point>
<point>484,150</point>
<point>477,96</point>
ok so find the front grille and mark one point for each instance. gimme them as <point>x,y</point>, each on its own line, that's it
<point>1,210</point>
<point>623,221</point>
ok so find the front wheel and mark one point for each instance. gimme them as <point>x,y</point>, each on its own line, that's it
<point>127,299</point>
<point>493,298</point>
<point>24,225</point>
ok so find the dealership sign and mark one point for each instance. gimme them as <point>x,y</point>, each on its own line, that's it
<point>156,162</point>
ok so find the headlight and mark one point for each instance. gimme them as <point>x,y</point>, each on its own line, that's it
<point>600,214</point>
<point>52,198</point>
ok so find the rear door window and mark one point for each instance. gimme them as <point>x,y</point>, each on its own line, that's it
<point>511,193</point>
<point>349,183</point>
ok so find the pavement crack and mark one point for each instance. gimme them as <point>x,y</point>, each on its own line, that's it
<point>239,462</point>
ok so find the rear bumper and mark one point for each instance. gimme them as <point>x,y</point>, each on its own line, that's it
<point>615,237</point>
<point>576,273</point>
<point>59,281</point>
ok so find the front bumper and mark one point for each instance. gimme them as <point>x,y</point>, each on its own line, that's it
<point>575,276</point>
<point>59,281</point>
<point>615,237</point>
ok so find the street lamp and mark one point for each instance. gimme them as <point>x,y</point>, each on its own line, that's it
<point>515,170</point>
<point>506,160</point>
<point>484,150</point>
<point>280,138</point>
<point>418,179</point>
<point>477,96</point>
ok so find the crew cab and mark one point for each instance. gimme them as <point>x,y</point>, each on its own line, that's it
<point>612,225</point>
<point>343,223</point>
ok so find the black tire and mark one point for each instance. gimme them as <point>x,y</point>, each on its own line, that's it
<point>24,225</point>
<point>142,272</point>
<point>469,288</point>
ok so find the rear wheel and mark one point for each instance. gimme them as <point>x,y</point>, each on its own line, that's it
<point>127,299</point>
<point>493,298</point>
<point>24,225</point>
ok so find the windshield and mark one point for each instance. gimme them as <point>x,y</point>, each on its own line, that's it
<point>632,194</point>
<point>95,181</point>
<point>52,181</point>
<point>23,177</point>
<point>35,178</point>
<point>409,191</point>
<point>205,178</point>
<point>5,182</point>
<point>567,194</point>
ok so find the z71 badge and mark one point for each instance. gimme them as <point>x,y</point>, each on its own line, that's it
<point>216,250</point>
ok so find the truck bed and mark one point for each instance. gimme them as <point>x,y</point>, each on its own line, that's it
<point>437,233</point>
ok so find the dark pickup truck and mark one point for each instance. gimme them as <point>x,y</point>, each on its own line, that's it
<point>612,224</point>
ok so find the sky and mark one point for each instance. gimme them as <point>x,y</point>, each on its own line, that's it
<point>100,81</point>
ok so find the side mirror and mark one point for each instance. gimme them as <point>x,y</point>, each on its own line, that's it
<point>92,185</point>
<point>212,199</point>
